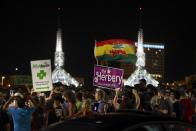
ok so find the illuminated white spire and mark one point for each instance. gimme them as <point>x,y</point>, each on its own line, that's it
<point>140,72</point>
<point>59,54</point>
<point>59,74</point>
<point>59,41</point>
<point>140,50</point>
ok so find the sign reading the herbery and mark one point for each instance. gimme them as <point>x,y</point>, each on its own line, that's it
<point>41,75</point>
<point>108,77</point>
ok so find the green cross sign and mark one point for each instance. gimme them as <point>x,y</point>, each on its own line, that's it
<point>41,74</point>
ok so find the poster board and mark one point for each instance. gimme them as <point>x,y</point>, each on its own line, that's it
<point>41,75</point>
<point>108,77</point>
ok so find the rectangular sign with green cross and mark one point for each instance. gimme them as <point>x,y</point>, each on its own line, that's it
<point>41,75</point>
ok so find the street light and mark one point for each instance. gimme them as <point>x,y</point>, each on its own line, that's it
<point>2,78</point>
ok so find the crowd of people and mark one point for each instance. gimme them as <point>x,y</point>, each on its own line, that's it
<point>24,110</point>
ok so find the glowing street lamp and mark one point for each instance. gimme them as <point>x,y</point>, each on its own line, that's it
<point>2,78</point>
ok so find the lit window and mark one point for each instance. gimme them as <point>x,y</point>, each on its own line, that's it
<point>154,46</point>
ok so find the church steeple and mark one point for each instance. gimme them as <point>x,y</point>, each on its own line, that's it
<point>59,74</point>
<point>140,49</point>
<point>59,41</point>
<point>140,12</point>
<point>140,72</point>
<point>59,12</point>
<point>59,54</point>
<point>59,32</point>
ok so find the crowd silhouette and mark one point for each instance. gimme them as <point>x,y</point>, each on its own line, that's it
<point>25,110</point>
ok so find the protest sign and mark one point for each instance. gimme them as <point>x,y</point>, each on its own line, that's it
<point>108,77</point>
<point>41,75</point>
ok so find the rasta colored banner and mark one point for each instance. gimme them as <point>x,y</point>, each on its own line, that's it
<point>121,50</point>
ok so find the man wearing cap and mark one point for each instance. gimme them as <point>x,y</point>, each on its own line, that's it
<point>21,113</point>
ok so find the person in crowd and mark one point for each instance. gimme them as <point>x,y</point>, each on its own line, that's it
<point>172,100</point>
<point>155,100</point>
<point>189,93</point>
<point>4,118</point>
<point>85,110</point>
<point>142,83</point>
<point>177,106</point>
<point>62,88</point>
<point>110,106</point>
<point>4,121</point>
<point>194,105</point>
<point>146,97</point>
<point>187,106</point>
<point>79,101</point>
<point>129,99</point>
<point>38,116</point>
<point>69,97</point>
<point>58,107</point>
<point>117,101</point>
<point>55,113</point>
<point>50,109</point>
<point>164,105</point>
<point>137,98</point>
<point>98,105</point>
<point>172,96</point>
<point>2,99</point>
<point>169,98</point>
<point>21,113</point>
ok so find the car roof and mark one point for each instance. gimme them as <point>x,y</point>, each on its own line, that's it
<point>112,121</point>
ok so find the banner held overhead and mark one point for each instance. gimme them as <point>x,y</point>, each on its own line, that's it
<point>120,50</point>
<point>41,75</point>
<point>108,77</point>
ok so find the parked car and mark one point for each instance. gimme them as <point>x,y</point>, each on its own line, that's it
<point>124,121</point>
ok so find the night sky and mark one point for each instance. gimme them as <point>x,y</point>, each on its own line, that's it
<point>28,32</point>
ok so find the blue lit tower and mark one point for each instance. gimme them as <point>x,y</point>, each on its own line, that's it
<point>59,74</point>
<point>140,72</point>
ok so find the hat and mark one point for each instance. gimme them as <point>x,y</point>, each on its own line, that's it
<point>19,94</point>
<point>98,89</point>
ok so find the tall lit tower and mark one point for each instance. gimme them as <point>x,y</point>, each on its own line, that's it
<point>59,74</point>
<point>140,72</point>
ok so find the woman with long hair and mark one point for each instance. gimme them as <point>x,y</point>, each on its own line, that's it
<point>69,97</point>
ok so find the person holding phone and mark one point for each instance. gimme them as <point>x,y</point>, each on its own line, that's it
<point>20,112</point>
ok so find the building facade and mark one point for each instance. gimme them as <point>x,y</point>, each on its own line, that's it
<point>155,61</point>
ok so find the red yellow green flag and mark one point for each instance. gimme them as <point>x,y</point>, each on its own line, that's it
<point>121,50</point>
